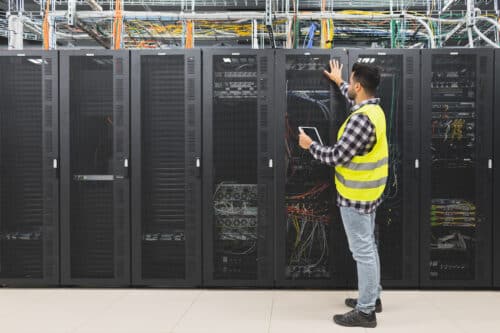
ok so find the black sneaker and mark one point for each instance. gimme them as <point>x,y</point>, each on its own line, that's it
<point>356,318</point>
<point>352,302</point>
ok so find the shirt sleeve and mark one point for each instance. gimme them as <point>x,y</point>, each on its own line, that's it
<point>359,134</point>
<point>344,87</point>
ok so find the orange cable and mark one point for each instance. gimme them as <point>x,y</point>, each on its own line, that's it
<point>46,26</point>
<point>189,34</point>
<point>117,25</point>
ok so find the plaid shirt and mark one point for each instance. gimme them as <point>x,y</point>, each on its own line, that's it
<point>358,139</point>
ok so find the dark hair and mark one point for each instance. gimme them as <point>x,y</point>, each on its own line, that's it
<point>367,75</point>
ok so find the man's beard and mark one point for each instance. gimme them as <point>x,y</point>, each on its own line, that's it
<point>351,94</point>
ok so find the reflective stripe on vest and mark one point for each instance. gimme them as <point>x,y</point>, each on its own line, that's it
<point>367,165</point>
<point>361,184</point>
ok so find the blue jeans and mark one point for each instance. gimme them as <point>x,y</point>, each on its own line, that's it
<point>360,231</point>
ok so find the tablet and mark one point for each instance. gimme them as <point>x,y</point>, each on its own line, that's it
<point>312,132</point>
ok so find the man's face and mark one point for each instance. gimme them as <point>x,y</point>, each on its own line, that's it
<point>351,92</point>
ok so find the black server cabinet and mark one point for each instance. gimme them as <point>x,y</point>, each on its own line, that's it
<point>166,180</point>
<point>95,221</point>
<point>396,228</point>
<point>456,168</point>
<point>496,175</point>
<point>311,247</point>
<point>237,164</point>
<point>29,187</point>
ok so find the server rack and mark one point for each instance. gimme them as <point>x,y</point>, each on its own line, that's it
<point>29,187</point>
<point>311,247</point>
<point>237,164</point>
<point>95,221</point>
<point>397,217</point>
<point>496,176</point>
<point>166,182</point>
<point>456,168</point>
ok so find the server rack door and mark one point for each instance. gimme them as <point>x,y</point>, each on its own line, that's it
<point>396,228</point>
<point>238,167</point>
<point>456,175</point>
<point>29,193</point>
<point>95,226</point>
<point>496,176</point>
<point>311,246</point>
<point>166,184</point>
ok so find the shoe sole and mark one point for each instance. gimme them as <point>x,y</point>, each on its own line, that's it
<point>365,325</point>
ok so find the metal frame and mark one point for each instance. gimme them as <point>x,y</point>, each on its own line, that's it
<point>50,107</point>
<point>496,175</point>
<point>121,186</point>
<point>250,10</point>
<point>265,173</point>
<point>193,193</point>
<point>410,111</point>
<point>279,129</point>
<point>483,174</point>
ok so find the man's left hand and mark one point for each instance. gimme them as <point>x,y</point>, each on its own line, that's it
<point>304,140</point>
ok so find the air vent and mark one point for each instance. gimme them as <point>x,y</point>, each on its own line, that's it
<point>191,116</point>
<point>263,115</point>
<point>164,143</point>
<point>48,66</point>
<point>119,115</point>
<point>118,66</point>
<point>263,65</point>
<point>263,85</point>
<point>48,90</point>
<point>191,141</point>
<point>409,89</point>
<point>409,115</point>
<point>48,116</point>
<point>410,62</point>
<point>119,90</point>
<point>190,66</point>
<point>190,89</point>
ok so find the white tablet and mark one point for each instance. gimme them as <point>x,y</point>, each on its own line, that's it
<point>312,132</point>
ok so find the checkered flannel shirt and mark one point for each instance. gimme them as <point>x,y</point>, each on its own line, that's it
<point>358,139</point>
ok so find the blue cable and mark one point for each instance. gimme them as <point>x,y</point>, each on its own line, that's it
<point>310,36</point>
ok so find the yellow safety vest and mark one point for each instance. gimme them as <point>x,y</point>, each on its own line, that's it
<point>364,177</point>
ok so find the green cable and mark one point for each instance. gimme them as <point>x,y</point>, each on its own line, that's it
<point>296,33</point>
<point>393,42</point>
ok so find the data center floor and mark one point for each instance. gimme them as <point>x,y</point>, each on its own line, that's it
<point>256,311</point>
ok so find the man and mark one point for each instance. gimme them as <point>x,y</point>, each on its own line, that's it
<point>360,157</point>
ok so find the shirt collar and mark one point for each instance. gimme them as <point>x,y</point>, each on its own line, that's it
<point>365,102</point>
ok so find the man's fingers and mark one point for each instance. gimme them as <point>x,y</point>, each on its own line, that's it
<point>301,130</point>
<point>326,72</point>
<point>341,66</point>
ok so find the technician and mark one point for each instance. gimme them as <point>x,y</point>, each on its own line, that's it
<point>360,158</point>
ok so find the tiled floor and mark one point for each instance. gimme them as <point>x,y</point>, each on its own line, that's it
<point>238,311</point>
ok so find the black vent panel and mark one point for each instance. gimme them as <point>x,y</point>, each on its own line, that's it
<point>21,172</point>
<point>92,236</point>
<point>163,93</point>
